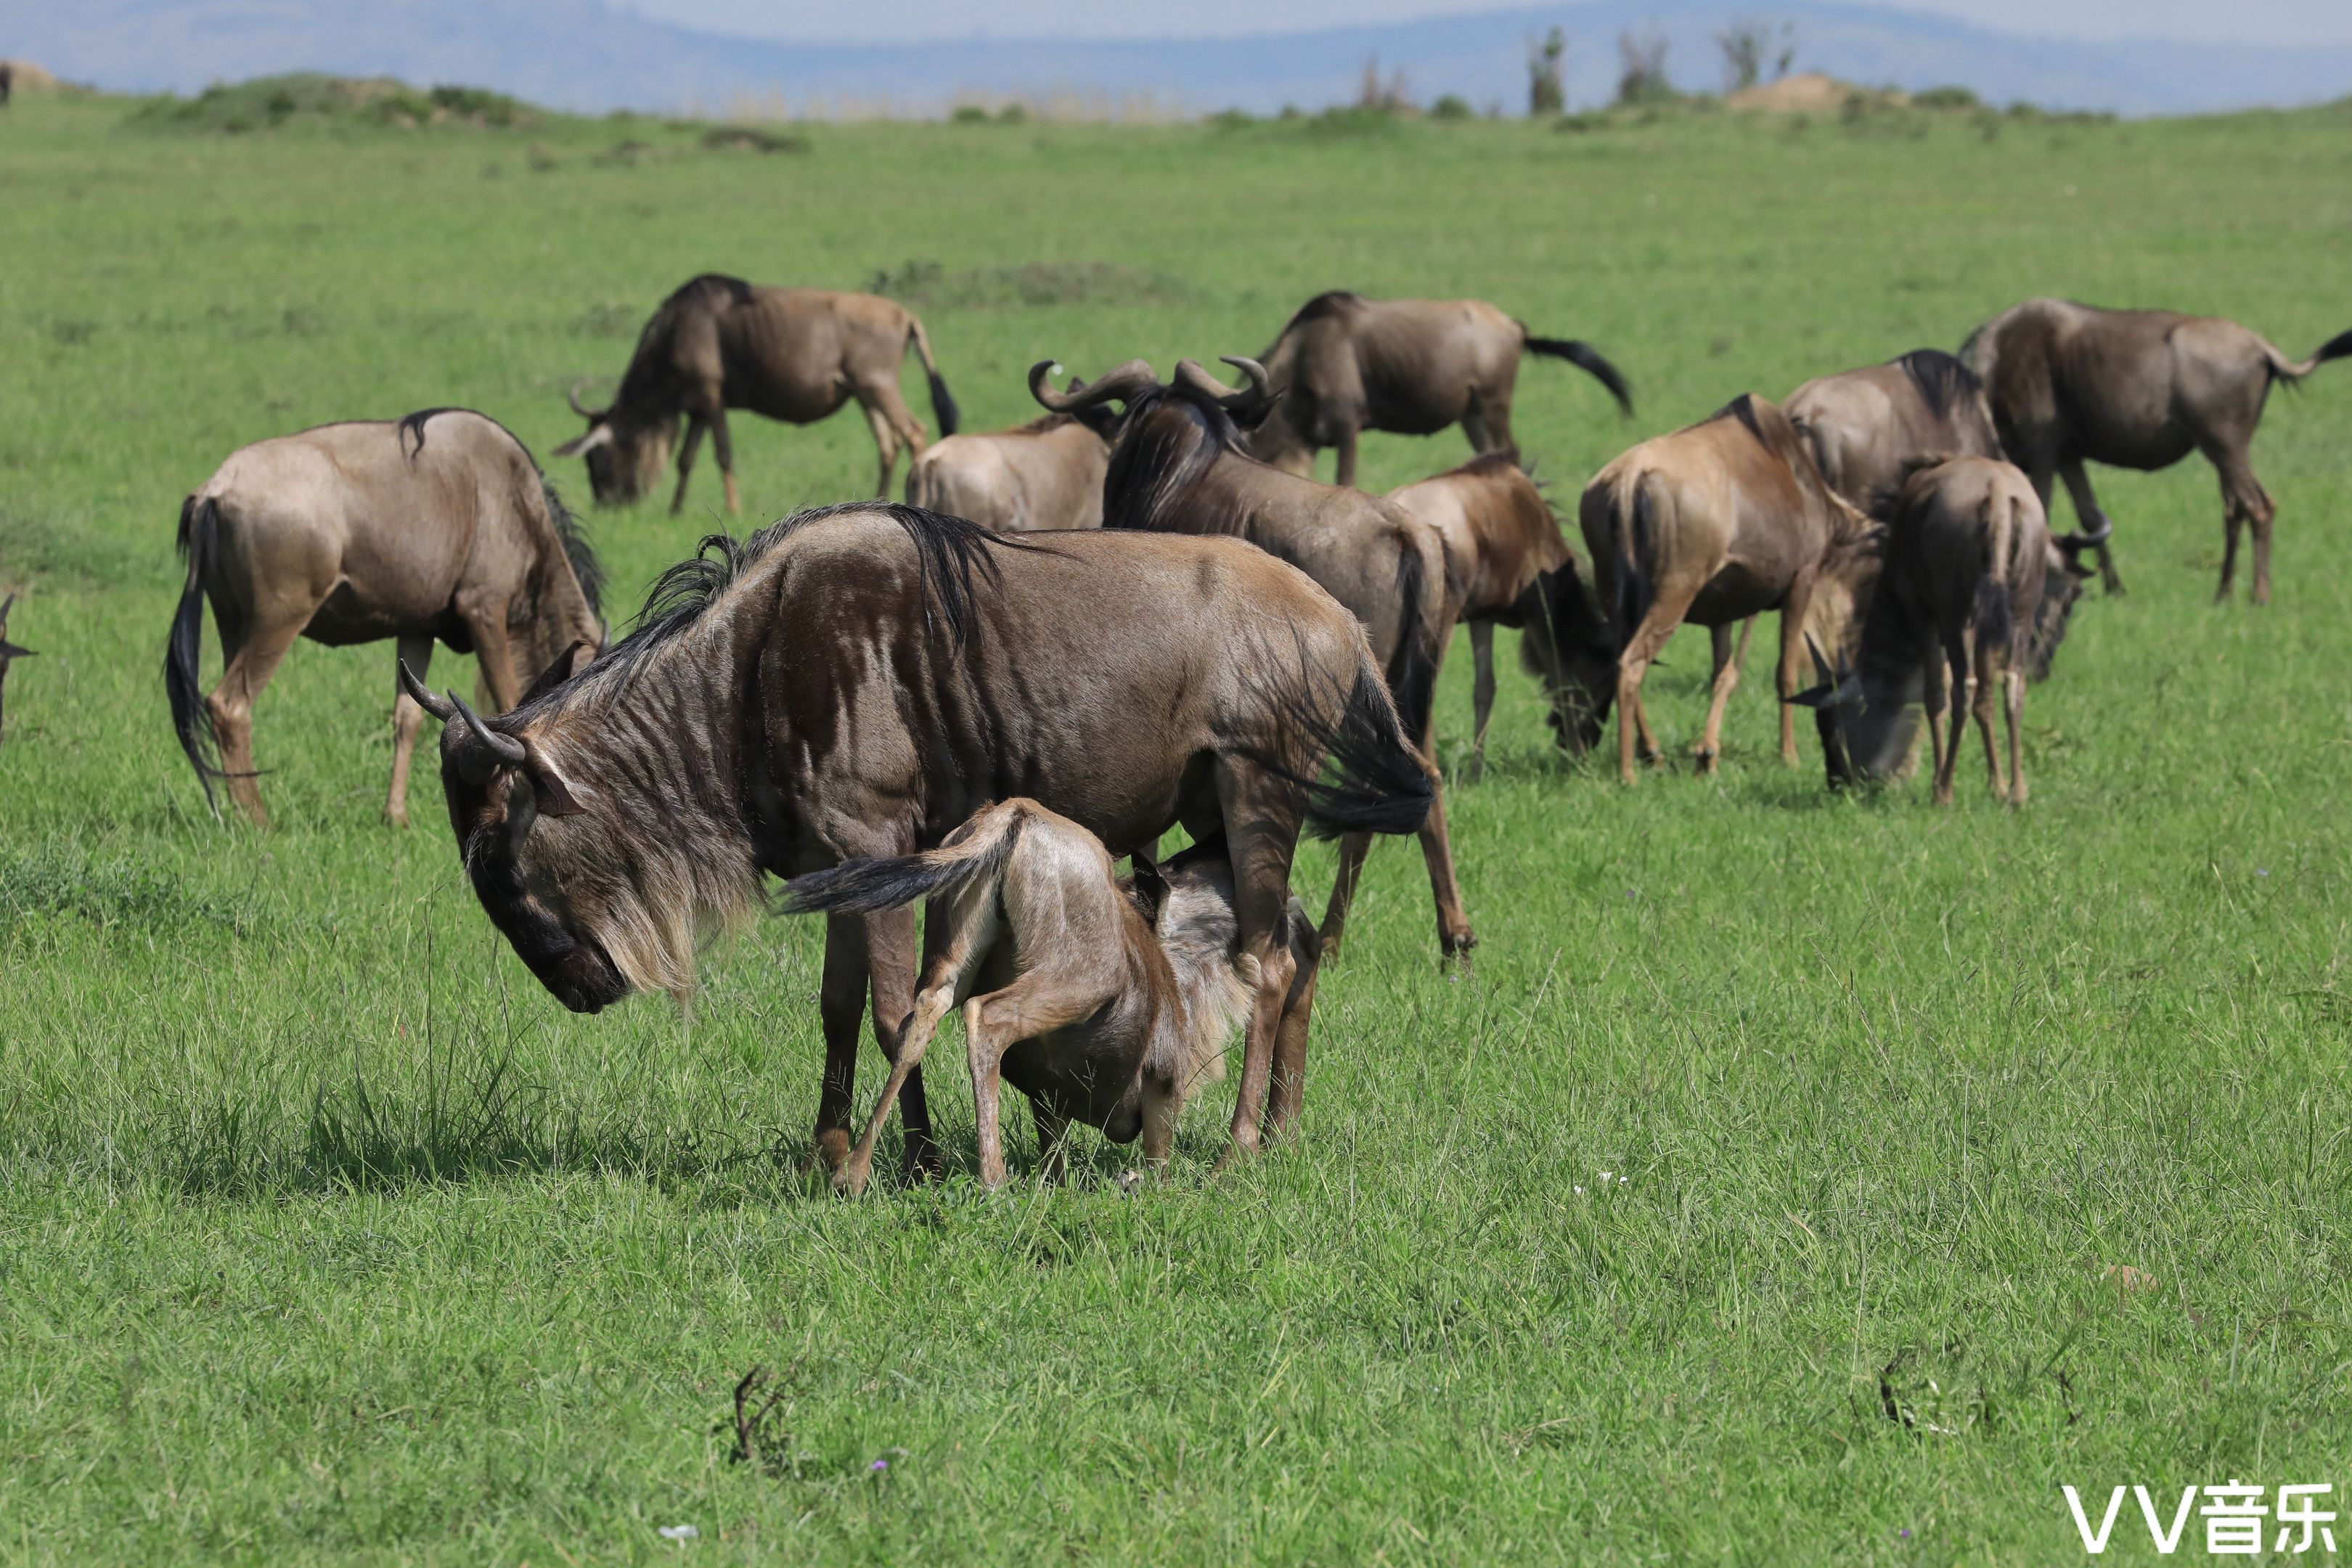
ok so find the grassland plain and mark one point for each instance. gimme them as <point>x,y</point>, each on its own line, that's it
<point>325,1236</point>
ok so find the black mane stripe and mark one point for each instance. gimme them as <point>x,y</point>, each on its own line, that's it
<point>1942,380</point>
<point>1742,408</point>
<point>1331,303</point>
<point>412,428</point>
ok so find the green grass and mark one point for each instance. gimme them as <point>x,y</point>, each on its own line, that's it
<point>326,1235</point>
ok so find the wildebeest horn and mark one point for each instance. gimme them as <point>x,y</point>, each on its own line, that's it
<point>484,750</point>
<point>1128,381</point>
<point>2085,539</point>
<point>421,694</point>
<point>1834,688</point>
<point>1233,399</point>
<point>572,395</point>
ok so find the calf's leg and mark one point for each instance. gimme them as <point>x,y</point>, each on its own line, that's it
<point>1039,1003</point>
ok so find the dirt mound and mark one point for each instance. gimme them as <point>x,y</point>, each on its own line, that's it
<point>1808,92</point>
<point>24,75</point>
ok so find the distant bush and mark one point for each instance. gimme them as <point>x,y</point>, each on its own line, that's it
<point>750,139</point>
<point>1232,119</point>
<point>1451,107</point>
<point>969,114</point>
<point>1946,97</point>
<point>267,103</point>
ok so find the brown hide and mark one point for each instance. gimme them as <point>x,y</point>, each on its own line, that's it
<point>1867,426</point>
<point>1046,474</point>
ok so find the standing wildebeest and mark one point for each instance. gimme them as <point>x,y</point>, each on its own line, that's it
<point>1177,467</point>
<point>2137,389</point>
<point>793,354</point>
<point>8,650</point>
<point>1105,1004</point>
<point>1968,562</point>
<point>1046,474</point>
<point>860,681</point>
<point>1511,567</point>
<point>1715,524</point>
<point>1344,364</point>
<point>438,525</point>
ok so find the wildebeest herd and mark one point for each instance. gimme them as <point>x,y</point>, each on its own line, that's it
<point>1140,613</point>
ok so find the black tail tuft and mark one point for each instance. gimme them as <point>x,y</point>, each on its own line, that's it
<point>869,886</point>
<point>2337,347</point>
<point>943,403</point>
<point>199,537</point>
<point>1585,357</point>
<point>1413,668</point>
<point>1375,782</point>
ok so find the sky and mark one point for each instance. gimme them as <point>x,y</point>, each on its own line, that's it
<point>2286,22</point>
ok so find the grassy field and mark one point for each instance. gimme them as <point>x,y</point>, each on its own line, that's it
<point>325,1234</point>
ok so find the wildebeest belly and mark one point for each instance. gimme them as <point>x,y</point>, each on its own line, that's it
<point>1734,594</point>
<point>349,616</point>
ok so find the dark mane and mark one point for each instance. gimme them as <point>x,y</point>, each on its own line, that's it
<point>1488,463</point>
<point>412,426</point>
<point>738,292</point>
<point>647,383</point>
<point>1742,408</point>
<point>949,554</point>
<point>577,549</point>
<point>1173,435</point>
<point>1941,379</point>
<point>1331,303</point>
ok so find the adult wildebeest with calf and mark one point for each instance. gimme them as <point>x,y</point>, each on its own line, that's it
<point>1511,567</point>
<point>793,354</point>
<point>1959,605</point>
<point>1177,467</point>
<point>1715,524</point>
<point>8,651</point>
<point>437,525</point>
<point>1344,364</point>
<point>1104,1003</point>
<point>858,682</point>
<point>2136,389</point>
<point>1046,474</point>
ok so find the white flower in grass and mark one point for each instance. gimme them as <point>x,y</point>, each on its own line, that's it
<point>678,1532</point>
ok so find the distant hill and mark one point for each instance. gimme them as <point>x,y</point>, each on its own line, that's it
<point>581,55</point>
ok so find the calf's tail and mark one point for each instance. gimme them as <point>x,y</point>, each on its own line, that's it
<point>199,543</point>
<point>869,886</point>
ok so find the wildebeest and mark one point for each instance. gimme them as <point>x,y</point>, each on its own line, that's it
<point>793,354</point>
<point>1046,474</point>
<point>1177,467</point>
<point>437,525</point>
<point>8,650</point>
<point>1866,426</point>
<point>1968,562</point>
<point>1344,364</point>
<point>1511,567</point>
<point>1105,1004</point>
<point>2072,383</point>
<point>1712,524</point>
<point>858,681</point>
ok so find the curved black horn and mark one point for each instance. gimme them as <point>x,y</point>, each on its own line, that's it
<point>572,395</point>
<point>1256,395</point>
<point>1128,381</point>
<point>486,751</point>
<point>421,694</point>
<point>1261,382</point>
<point>2086,539</point>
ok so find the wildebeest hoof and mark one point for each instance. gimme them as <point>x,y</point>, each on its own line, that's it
<point>1704,759</point>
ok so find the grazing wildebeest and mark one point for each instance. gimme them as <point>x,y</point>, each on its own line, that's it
<point>859,682</point>
<point>1715,524</point>
<point>8,82</point>
<point>1046,474</point>
<point>1512,568</point>
<point>1968,566</point>
<point>1866,426</point>
<point>793,354</point>
<point>437,525</point>
<point>1177,467</point>
<point>2136,389</point>
<point>1344,364</point>
<point>8,650</point>
<point>1105,1004</point>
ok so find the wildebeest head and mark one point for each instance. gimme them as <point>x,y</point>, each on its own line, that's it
<point>625,453</point>
<point>1574,654</point>
<point>2062,584</point>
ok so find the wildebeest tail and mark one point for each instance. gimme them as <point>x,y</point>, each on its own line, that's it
<point>1413,667</point>
<point>2289,370</point>
<point>943,403</point>
<point>1586,358</point>
<point>199,538</point>
<point>1375,782</point>
<point>1632,517</point>
<point>1992,613</point>
<point>869,886</point>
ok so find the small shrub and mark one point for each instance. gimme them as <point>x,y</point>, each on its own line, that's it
<point>1451,107</point>
<point>968,114</point>
<point>1946,97</point>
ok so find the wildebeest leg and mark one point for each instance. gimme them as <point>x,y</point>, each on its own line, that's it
<point>416,652</point>
<point>1036,1003</point>
<point>1347,475</point>
<point>1053,1141</point>
<point>1261,816</point>
<point>1944,669</point>
<point>1455,938</point>
<point>841,1008</point>
<point>1726,681</point>
<point>686,454</point>
<point>722,446</point>
<point>2243,500</point>
<point>1664,615</point>
<point>2013,681</point>
<point>1796,662</point>
<point>485,618</point>
<point>1353,848</point>
<point>2094,520</point>
<point>1290,1043</point>
<point>890,961</point>
<point>1981,698</point>
<point>253,657</point>
<point>956,932</point>
<point>886,446</point>
<point>1482,691</point>
<point>930,1008</point>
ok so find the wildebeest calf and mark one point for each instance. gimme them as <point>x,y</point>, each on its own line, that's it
<point>1104,1003</point>
<point>8,650</point>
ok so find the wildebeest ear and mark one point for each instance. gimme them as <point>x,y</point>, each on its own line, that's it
<point>554,794</point>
